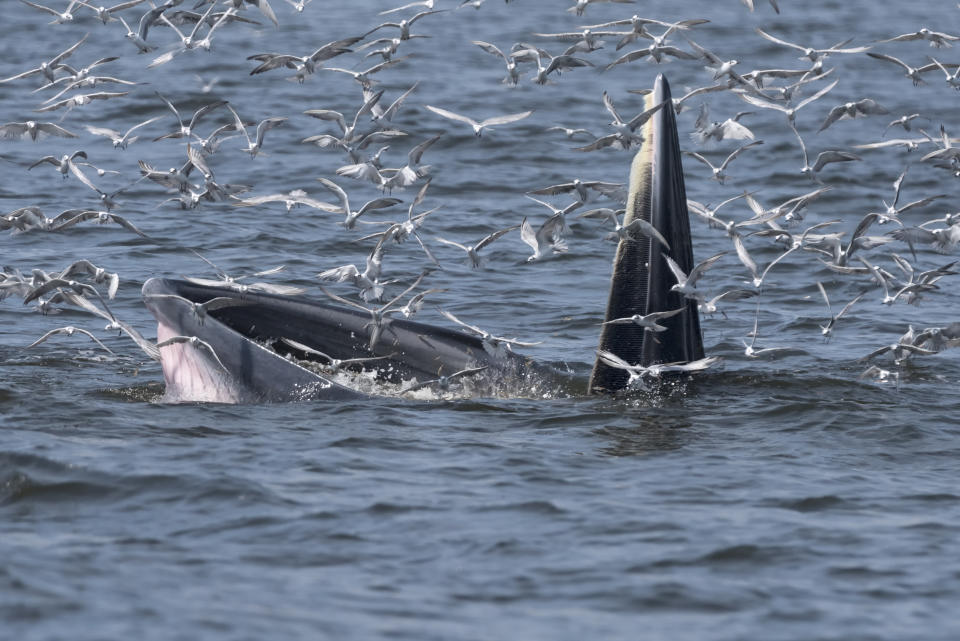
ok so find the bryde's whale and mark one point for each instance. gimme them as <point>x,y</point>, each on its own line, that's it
<point>261,350</point>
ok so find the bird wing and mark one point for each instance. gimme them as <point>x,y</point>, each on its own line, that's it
<point>745,257</point>
<point>528,235</point>
<point>896,61</point>
<point>835,114</point>
<point>647,230</point>
<point>767,36</point>
<point>502,120</point>
<point>833,155</point>
<point>489,48</point>
<point>703,266</point>
<point>337,190</point>
<point>675,268</point>
<point>825,90</point>
<point>452,116</point>
<point>486,240</point>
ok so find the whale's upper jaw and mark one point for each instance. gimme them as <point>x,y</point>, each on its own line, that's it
<point>642,283</point>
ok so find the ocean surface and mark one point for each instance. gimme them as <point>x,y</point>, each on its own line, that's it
<point>780,497</point>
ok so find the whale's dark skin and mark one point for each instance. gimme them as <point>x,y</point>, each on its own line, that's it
<point>253,364</point>
<point>642,281</point>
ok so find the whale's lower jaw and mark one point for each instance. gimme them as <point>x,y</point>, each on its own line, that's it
<point>191,375</point>
<point>642,283</point>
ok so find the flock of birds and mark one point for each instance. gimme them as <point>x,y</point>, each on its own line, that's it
<point>885,266</point>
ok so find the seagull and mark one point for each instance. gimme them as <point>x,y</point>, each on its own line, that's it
<point>791,112</point>
<point>303,65</point>
<point>185,131</point>
<point>33,129</point>
<point>478,127</point>
<point>710,306</point>
<point>719,173</point>
<point>936,38</point>
<point>749,5</point>
<point>105,14</point>
<point>612,190</point>
<point>380,115</point>
<point>513,73</point>
<point>496,346</point>
<point>638,28</point>
<point>69,331</point>
<point>265,125</point>
<point>233,282</point>
<point>749,350</point>
<point>404,25</point>
<point>197,343</point>
<point>350,132</point>
<point>581,5</point>
<point>421,3</point>
<point>901,350</point>
<point>81,99</point>
<point>363,77</point>
<point>443,382</point>
<point>47,68</point>
<point>638,372</point>
<point>201,311</point>
<point>190,42</point>
<point>546,239</point>
<point>376,323</point>
<point>750,264</point>
<point>351,220</point>
<point>367,281</point>
<point>625,232</point>
<point>648,322</point>
<point>911,72</point>
<point>59,18</point>
<point>473,250</point>
<point>655,51</point>
<point>865,107</point>
<point>102,217</point>
<point>571,132</point>
<point>809,52</point>
<point>58,283</point>
<point>827,330</point>
<point>262,5</point>
<point>823,158</point>
<point>621,125</point>
<point>413,170</point>
<point>720,67</point>
<point>333,364</point>
<point>892,211</point>
<point>99,275</point>
<point>732,227</point>
<point>84,81</point>
<point>291,200</point>
<point>790,209</point>
<point>953,79</point>
<point>903,121</point>
<point>705,130</point>
<point>687,285</point>
<point>943,239</point>
<point>64,163</point>
<point>415,304</point>
<point>880,375</point>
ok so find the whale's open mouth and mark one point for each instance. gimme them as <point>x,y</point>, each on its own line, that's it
<point>277,348</point>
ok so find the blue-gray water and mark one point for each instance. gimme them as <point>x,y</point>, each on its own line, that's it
<point>771,499</point>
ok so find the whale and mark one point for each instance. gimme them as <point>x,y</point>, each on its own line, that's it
<point>264,348</point>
